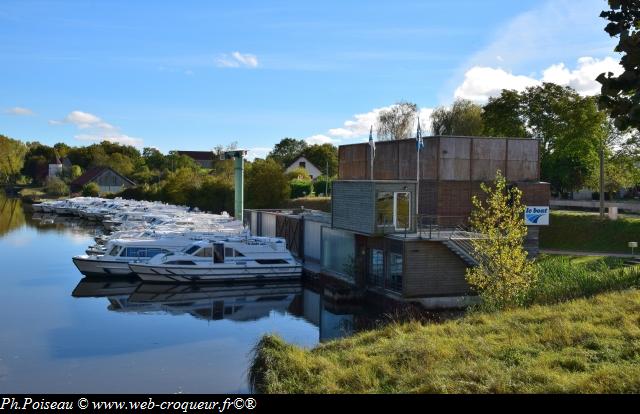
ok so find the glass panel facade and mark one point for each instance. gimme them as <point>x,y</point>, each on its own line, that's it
<point>338,251</point>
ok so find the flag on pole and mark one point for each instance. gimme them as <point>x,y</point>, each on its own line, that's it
<point>372,143</point>
<point>419,141</point>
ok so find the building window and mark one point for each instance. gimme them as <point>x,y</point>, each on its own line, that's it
<point>376,267</point>
<point>393,209</point>
<point>394,279</point>
<point>402,210</point>
<point>384,208</point>
<point>302,164</point>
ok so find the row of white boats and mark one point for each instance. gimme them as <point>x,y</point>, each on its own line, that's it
<point>166,243</point>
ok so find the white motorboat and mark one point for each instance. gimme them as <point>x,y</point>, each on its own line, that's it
<point>233,258</point>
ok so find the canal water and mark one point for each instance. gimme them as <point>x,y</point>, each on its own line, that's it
<point>61,333</point>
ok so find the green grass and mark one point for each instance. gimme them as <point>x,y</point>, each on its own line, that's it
<point>587,232</point>
<point>566,277</point>
<point>581,346</point>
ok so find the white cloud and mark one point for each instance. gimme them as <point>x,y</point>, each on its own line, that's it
<point>19,111</point>
<point>237,59</point>
<point>258,152</point>
<point>359,125</point>
<point>480,82</point>
<point>117,138</point>
<point>320,139</point>
<point>95,129</point>
<point>582,79</point>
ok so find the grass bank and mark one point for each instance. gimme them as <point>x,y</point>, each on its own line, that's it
<point>587,232</point>
<point>581,346</point>
<point>566,277</point>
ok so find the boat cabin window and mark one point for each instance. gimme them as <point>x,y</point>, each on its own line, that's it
<point>271,261</point>
<point>205,252</point>
<point>191,249</point>
<point>218,253</point>
<point>142,251</point>
<point>114,251</point>
<point>182,262</point>
<point>231,252</point>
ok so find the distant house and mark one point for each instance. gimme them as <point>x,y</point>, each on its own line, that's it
<point>55,169</point>
<point>107,179</point>
<point>203,158</point>
<point>302,162</point>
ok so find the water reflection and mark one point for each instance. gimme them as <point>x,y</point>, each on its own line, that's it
<point>11,214</point>
<point>236,302</point>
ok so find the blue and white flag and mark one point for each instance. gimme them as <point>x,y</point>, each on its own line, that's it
<point>419,141</point>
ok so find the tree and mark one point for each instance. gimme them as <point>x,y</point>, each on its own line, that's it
<point>464,118</point>
<point>503,116</point>
<point>56,187</point>
<point>298,173</point>
<point>12,153</point>
<point>321,155</point>
<point>287,150</point>
<point>397,122</point>
<point>91,190</point>
<point>620,95</point>
<point>568,126</point>
<point>266,184</point>
<point>503,275</point>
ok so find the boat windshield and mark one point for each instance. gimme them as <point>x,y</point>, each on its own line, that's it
<point>191,249</point>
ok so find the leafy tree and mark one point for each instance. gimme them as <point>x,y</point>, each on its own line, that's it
<point>121,163</point>
<point>56,187</point>
<point>503,275</point>
<point>620,95</point>
<point>464,118</point>
<point>503,116</point>
<point>154,159</point>
<point>12,154</point>
<point>397,122</point>
<point>266,185</point>
<point>91,190</point>
<point>320,155</point>
<point>298,173</point>
<point>322,185</point>
<point>76,171</point>
<point>287,150</point>
<point>569,127</point>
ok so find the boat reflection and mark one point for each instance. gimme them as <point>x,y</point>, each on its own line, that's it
<point>237,302</point>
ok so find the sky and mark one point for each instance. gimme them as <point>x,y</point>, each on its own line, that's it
<point>191,75</point>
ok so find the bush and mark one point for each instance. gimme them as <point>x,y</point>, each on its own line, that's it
<point>56,187</point>
<point>91,190</point>
<point>300,188</point>
<point>323,185</point>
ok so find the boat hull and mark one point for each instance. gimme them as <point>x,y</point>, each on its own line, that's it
<point>189,274</point>
<point>92,267</point>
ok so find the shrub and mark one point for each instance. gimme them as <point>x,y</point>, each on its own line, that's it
<point>56,187</point>
<point>300,188</point>
<point>91,190</point>
<point>323,185</point>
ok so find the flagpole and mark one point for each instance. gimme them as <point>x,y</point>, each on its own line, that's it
<point>372,149</point>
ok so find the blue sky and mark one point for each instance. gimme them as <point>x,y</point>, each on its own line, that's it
<point>194,74</point>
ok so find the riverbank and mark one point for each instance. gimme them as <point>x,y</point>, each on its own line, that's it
<point>582,346</point>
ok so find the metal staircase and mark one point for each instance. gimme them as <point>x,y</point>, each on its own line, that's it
<point>460,243</point>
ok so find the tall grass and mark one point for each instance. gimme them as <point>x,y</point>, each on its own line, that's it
<point>564,278</point>
<point>582,346</point>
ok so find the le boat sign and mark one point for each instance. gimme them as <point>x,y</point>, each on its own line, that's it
<point>536,215</point>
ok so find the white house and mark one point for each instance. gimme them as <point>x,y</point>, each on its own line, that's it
<point>302,162</point>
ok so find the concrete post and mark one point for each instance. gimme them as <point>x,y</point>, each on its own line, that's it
<point>239,186</point>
